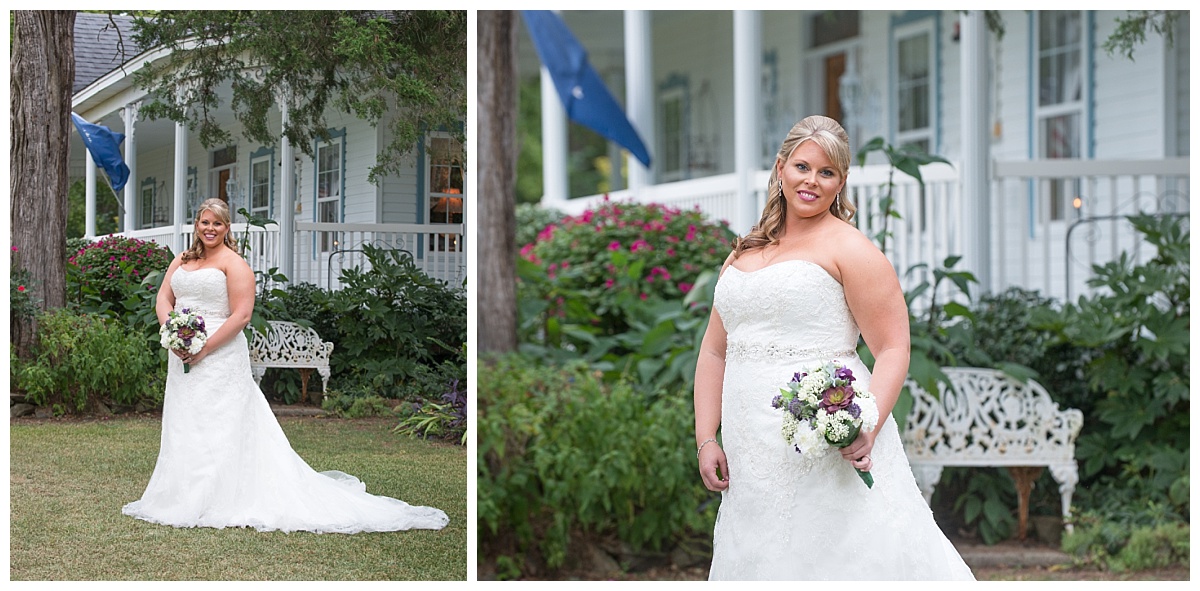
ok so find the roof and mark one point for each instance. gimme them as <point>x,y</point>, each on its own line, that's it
<point>98,46</point>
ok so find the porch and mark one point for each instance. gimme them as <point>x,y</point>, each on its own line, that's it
<point>1049,220</point>
<point>322,250</point>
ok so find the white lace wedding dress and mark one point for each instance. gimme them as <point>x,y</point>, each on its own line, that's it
<point>225,462</point>
<point>775,523</point>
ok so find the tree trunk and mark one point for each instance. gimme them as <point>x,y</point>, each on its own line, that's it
<point>497,158</point>
<point>41,75</point>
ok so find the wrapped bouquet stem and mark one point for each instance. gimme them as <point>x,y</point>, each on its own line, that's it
<point>822,410</point>
<point>183,331</point>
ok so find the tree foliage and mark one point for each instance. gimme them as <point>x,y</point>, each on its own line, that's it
<point>1131,29</point>
<point>369,63</point>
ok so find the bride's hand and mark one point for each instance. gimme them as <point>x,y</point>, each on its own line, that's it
<point>192,359</point>
<point>714,469</point>
<point>858,453</point>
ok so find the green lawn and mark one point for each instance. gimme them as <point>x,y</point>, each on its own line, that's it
<point>69,480</point>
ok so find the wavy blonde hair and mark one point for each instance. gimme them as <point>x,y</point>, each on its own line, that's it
<point>219,209</point>
<point>829,135</point>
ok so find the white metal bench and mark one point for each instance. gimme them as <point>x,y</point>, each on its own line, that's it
<point>992,419</point>
<point>288,344</point>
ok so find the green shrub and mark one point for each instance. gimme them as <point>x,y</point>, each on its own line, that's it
<point>671,247</point>
<point>1130,541</point>
<point>82,359</point>
<point>532,219</point>
<point>626,287</point>
<point>561,453</point>
<point>1135,332</point>
<point>389,321</point>
<point>22,303</point>
<point>445,419</point>
<point>111,272</point>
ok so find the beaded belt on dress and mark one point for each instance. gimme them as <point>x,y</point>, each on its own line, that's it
<point>205,314</point>
<point>743,351</point>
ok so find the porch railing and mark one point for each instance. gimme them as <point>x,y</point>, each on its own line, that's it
<point>321,251</point>
<point>1032,209</point>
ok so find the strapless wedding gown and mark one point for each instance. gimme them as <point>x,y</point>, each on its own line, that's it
<point>225,462</point>
<point>774,522</point>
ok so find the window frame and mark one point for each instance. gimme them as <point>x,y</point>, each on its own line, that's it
<point>443,242</point>
<point>1059,192</point>
<point>926,25</point>
<point>329,241</point>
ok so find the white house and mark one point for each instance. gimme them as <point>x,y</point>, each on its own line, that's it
<point>1050,138</point>
<point>325,208</point>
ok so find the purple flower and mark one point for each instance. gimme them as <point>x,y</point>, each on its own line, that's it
<point>796,407</point>
<point>777,401</point>
<point>843,373</point>
<point>854,410</point>
<point>837,398</point>
<point>798,376</point>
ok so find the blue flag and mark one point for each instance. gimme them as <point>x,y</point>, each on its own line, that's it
<point>105,146</point>
<point>583,94</point>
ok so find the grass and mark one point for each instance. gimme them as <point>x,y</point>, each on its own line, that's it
<point>70,478</point>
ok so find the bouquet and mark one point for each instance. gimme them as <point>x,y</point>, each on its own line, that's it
<point>183,331</point>
<point>822,410</point>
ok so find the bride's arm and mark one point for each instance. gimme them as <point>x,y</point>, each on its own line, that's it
<point>710,375</point>
<point>164,302</point>
<point>875,299</point>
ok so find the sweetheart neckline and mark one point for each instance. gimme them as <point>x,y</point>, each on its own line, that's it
<point>823,269</point>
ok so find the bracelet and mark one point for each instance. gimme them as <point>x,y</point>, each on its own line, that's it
<point>706,442</point>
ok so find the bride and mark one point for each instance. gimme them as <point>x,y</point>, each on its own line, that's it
<point>223,459</point>
<point>795,292</point>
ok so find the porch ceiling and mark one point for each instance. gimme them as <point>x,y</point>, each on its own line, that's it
<point>152,135</point>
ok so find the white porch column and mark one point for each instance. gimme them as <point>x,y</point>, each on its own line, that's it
<point>287,209</point>
<point>975,130</point>
<point>179,206</point>
<point>89,194</point>
<point>555,188</point>
<point>131,186</point>
<point>747,76</point>
<point>639,91</point>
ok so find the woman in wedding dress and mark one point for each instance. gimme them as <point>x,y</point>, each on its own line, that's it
<point>223,459</point>
<point>795,292</point>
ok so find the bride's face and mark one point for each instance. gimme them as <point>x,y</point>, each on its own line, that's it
<point>810,180</point>
<point>211,229</point>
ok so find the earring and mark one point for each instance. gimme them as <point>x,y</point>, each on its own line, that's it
<point>781,188</point>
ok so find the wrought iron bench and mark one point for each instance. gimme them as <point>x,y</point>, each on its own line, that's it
<point>288,344</point>
<point>992,419</point>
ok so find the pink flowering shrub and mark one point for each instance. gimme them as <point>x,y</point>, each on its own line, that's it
<point>112,269</point>
<point>615,287</point>
<point>668,247</point>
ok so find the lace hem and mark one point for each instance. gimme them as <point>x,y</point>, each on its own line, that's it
<point>743,351</point>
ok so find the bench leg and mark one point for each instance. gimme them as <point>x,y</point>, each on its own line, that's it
<point>1067,475</point>
<point>324,371</point>
<point>304,374</point>
<point>1024,476</point>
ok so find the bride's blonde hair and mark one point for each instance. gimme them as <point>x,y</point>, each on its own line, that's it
<point>219,209</point>
<point>829,135</point>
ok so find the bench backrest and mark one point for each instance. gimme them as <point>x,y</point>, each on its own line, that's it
<point>990,419</point>
<point>288,343</point>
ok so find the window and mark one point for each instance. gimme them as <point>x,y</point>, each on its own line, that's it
<point>149,205</point>
<point>1060,99</point>
<point>260,185</point>
<point>330,170</point>
<point>673,129</point>
<point>193,193</point>
<point>445,189</point>
<point>914,89</point>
